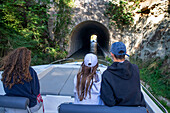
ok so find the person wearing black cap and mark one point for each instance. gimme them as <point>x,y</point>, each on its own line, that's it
<point>121,82</point>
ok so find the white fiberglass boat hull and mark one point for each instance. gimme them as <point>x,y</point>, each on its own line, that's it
<point>56,82</point>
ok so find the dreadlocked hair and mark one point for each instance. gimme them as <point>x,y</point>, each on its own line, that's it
<point>15,67</point>
<point>85,78</point>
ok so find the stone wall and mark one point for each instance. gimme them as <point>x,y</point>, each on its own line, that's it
<point>86,10</point>
<point>156,33</point>
<point>148,38</point>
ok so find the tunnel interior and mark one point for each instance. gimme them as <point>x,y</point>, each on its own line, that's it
<point>80,38</point>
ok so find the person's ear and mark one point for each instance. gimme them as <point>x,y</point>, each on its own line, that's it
<point>111,54</point>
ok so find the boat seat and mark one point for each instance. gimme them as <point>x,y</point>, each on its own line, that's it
<point>20,103</point>
<point>77,108</point>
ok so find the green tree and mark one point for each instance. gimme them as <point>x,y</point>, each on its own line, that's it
<point>25,23</point>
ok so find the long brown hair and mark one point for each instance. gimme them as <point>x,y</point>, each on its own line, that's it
<point>85,80</point>
<point>15,67</point>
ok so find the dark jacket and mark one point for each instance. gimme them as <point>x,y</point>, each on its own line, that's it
<point>121,85</point>
<point>28,89</point>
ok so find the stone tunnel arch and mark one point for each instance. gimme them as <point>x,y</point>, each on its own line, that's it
<point>81,33</point>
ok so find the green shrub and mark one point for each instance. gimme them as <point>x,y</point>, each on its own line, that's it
<point>109,59</point>
<point>25,23</point>
<point>154,72</point>
<point>121,14</point>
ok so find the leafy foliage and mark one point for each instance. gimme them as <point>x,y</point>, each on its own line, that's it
<point>63,20</point>
<point>121,14</point>
<point>25,23</point>
<point>109,59</point>
<point>154,73</point>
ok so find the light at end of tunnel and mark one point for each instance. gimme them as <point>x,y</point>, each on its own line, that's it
<point>93,38</point>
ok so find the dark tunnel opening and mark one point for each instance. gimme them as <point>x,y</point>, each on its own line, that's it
<point>80,38</point>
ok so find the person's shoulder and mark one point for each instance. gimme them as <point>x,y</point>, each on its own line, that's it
<point>134,65</point>
<point>98,73</point>
<point>32,71</point>
<point>106,73</point>
<point>30,68</point>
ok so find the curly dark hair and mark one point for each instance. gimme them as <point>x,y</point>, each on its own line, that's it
<point>15,67</point>
<point>85,80</point>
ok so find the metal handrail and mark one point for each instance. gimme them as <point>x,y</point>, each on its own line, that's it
<point>108,63</point>
<point>153,98</point>
<point>102,49</point>
<point>28,109</point>
<point>62,60</point>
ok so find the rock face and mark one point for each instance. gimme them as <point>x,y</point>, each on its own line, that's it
<point>155,32</point>
<point>86,10</point>
<point>150,35</point>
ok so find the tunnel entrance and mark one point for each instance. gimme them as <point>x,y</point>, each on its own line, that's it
<point>81,37</point>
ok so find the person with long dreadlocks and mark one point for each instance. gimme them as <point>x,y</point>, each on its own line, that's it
<point>87,82</point>
<point>19,79</point>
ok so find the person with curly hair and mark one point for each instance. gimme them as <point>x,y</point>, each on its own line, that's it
<point>19,79</point>
<point>87,82</point>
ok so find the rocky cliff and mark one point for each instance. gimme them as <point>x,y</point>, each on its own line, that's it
<point>149,37</point>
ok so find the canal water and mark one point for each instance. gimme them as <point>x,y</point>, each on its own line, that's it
<point>80,54</point>
<point>94,48</point>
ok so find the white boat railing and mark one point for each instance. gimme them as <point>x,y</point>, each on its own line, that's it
<point>61,60</point>
<point>154,99</point>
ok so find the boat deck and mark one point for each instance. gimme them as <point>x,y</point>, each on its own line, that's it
<point>59,81</point>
